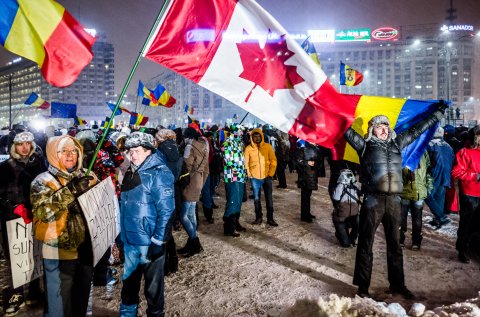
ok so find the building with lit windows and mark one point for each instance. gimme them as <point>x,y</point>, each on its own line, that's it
<point>93,87</point>
<point>420,62</point>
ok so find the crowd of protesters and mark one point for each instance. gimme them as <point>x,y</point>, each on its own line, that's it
<point>162,175</point>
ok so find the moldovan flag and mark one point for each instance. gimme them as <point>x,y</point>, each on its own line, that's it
<point>44,32</point>
<point>36,101</point>
<point>349,76</point>
<point>402,114</point>
<point>248,58</point>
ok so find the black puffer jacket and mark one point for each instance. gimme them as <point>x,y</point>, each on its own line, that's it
<point>173,160</point>
<point>15,180</point>
<point>381,161</point>
<point>307,175</point>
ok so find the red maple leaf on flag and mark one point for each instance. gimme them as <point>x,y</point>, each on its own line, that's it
<point>266,66</point>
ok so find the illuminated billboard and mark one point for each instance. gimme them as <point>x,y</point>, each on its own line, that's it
<point>385,34</point>
<point>353,35</point>
<point>321,36</point>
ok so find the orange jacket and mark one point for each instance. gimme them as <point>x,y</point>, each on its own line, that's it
<point>260,160</point>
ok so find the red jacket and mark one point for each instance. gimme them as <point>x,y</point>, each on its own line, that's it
<point>466,169</point>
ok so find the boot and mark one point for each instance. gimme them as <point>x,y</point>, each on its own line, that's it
<point>258,210</point>
<point>238,226</point>
<point>196,247</point>
<point>187,248</point>
<point>208,212</point>
<point>229,227</point>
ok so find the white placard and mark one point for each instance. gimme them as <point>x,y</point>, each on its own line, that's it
<point>25,252</point>
<point>101,210</point>
<point>4,158</point>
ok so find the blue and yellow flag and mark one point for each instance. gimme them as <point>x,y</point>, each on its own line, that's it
<point>308,47</point>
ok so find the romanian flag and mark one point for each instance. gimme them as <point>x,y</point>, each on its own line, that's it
<point>137,119</point>
<point>188,109</point>
<point>120,110</point>
<point>44,32</point>
<point>309,48</point>
<point>349,76</point>
<point>35,101</point>
<point>153,98</point>
<point>79,121</point>
<point>105,123</point>
<point>402,114</point>
<point>190,120</point>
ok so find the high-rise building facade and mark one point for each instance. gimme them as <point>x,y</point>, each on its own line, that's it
<point>93,87</point>
<point>421,62</point>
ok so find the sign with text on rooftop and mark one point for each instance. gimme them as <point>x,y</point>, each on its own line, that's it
<point>321,36</point>
<point>353,35</point>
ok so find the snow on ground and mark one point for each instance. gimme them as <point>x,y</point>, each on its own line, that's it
<point>299,269</point>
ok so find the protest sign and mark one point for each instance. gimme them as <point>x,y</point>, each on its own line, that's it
<point>25,252</point>
<point>101,210</point>
<point>4,158</point>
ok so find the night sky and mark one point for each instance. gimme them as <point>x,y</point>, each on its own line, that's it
<point>127,22</point>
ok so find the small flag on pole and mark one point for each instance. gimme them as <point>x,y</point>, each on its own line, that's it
<point>36,101</point>
<point>137,119</point>
<point>309,48</point>
<point>79,121</point>
<point>349,76</point>
<point>153,98</point>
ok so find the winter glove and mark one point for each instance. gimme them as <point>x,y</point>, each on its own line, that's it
<point>441,106</point>
<point>79,185</point>
<point>155,251</point>
<point>24,213</point>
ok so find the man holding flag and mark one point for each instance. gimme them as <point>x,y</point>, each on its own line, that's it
<point>382,185</point>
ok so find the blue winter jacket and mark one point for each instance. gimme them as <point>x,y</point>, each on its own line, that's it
<point>147,202</point>
<point>441,160</point>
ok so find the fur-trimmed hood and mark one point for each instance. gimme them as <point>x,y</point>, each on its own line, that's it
<point>378,120</point>
<point>16,156</point>
<point>55,144</point>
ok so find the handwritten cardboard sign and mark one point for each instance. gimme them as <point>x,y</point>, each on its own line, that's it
<point>101,210</point>
<point>25,252</point>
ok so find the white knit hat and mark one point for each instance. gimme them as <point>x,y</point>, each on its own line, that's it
<point>23,137</point>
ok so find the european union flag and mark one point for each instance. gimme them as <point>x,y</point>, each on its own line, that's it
<point>63,110</point>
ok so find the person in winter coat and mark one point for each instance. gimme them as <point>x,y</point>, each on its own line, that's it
<point>67,249</point>
<point>467,170</point>
<point>235,176</point>
<point>382,185</point>
<point>261,164</point>
<point>414,192</point>
<point>17,173</point>
<point>306,158</point>
<point>441,162</point>
<point>195,157</point>
<point>167,145</point>
<point>146,208</point>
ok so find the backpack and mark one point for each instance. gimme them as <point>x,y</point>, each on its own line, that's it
<point>346,191</point>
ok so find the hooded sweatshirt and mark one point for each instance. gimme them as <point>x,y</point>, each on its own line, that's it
<point>260,160</point>
<point>51,197</point>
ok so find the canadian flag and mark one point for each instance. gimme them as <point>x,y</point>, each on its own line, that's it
<point>239,51</point>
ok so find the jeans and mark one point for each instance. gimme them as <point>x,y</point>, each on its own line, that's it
<point>436,202</point>
<point>234,198</point>
<point>67,286</point>
<point>188,218</point>
<point>416,208</point>
<point>267,186</point>
<point>207,193</point>
<point>136,265</point>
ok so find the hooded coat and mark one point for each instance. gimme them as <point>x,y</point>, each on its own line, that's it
<point>381,161</point>
<point>17,174</point>
<point>147,202</point>
<point>260,160</point>
<point>51,199</point>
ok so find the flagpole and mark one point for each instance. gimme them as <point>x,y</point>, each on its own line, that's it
<point>127,83</point>
<point>244,117</point>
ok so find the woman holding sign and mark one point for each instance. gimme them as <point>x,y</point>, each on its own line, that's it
<point>60,225</point>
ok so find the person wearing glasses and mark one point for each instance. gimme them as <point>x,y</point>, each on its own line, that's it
<point>59,223</point>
